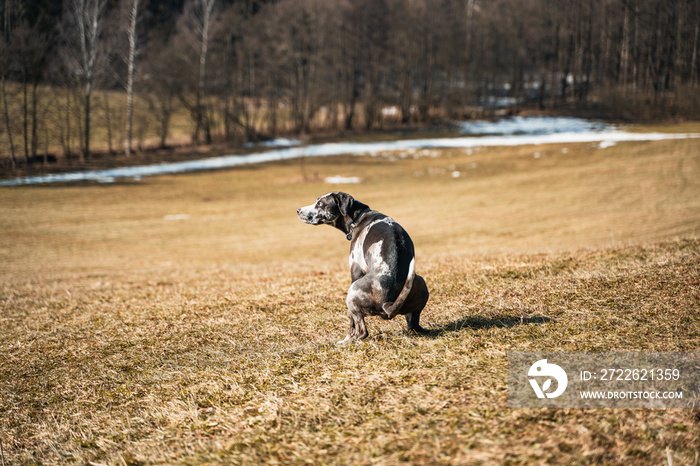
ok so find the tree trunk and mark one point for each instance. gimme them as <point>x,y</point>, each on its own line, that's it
<point>133,15</point>
<point>624,51</point>
<point>588,55</point>
<point>35,142</point>
<point>25,118</point>
<point>88,15</point>
<point>66,141</point>
<point>678,52</point>
<point>694,57</point>
<point>208,6</point>
<point>108,120</point>
<point>86,124</point>
<point>165,113</point>
<point>6,114</point>
<point>635,49</point>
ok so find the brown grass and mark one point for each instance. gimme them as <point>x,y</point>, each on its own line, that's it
<point>128,338</point>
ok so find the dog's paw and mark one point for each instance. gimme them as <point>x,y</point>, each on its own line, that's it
<point>419,330</point>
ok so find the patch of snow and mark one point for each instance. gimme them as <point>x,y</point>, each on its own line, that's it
<point>342,180</point>
<point>532,125</point>
<point>606,144</point>
<point>500,102</point>
<point>279,142</point>
<point>177,217</point>
<point>390,111</point>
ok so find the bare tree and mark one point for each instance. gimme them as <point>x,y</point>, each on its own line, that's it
<point>23,60</point>
<point>195,26</point>
<point>694,53</point>
<point>4,54</point>
<point>29,48</point>
<point>132,7</point>
<point>206,8</point>
<point>86,17</point>
<point>304,25</point>
<point>161,85</point>
<point>12,11</point>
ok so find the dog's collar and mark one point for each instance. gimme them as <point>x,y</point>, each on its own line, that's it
<point>353,225</point>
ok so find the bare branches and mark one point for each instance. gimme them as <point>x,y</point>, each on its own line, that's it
<point>194,28</point>
<point>86,16</point>
<point>249,70</point>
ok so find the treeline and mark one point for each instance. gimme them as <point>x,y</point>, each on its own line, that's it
<point>247,70</point>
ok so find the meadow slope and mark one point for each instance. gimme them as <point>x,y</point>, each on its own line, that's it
<point>190,319</point>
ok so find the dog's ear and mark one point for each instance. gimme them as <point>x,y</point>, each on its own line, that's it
<point>345,202</point>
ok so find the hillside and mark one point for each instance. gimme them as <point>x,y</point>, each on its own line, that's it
<point>191,319</point>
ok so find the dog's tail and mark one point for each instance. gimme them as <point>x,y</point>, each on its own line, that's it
<point>390,308</point>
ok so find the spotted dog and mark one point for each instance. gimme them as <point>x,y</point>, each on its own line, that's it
<point>382,262</point>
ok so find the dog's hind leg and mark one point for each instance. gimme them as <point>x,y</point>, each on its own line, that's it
<point>412,321</point>
<point>351,332</point>
<point>360,328</point>
<point>415,303</point>
<point>357,302</point>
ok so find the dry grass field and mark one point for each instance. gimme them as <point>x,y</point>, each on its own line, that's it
<point>191,319</point>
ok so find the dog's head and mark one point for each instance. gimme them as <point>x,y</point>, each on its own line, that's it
<point>327,209</point>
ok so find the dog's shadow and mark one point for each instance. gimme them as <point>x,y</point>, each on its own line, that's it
<point>481,323</point>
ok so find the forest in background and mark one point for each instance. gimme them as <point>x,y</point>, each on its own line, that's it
<point>85,76</point>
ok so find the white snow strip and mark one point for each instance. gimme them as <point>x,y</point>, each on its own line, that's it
<point>604,138</point>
